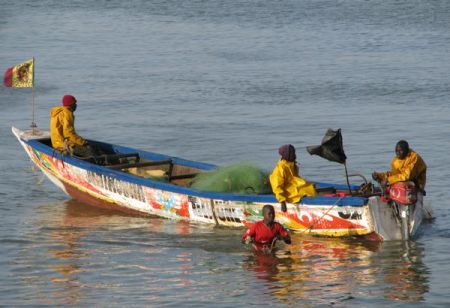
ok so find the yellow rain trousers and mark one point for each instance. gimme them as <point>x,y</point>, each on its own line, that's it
<point>287,185</point>
<point>62,128</point>
<point>412,168</point>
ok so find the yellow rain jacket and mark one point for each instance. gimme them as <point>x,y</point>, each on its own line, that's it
<point>287,185</point>
<point>412,168</point>
<point>62,128</point>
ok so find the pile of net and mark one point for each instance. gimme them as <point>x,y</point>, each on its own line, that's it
<point>242,178</point>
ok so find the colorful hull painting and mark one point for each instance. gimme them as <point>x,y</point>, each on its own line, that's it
<point>115,189</point>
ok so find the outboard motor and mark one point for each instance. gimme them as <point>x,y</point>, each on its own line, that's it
<point>404,194</point>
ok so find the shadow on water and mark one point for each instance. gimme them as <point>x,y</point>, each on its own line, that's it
<point>333,271</point>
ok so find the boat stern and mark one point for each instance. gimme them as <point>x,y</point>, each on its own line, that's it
<point>393,221</point>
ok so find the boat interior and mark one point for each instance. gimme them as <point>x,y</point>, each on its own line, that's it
<point>166,170</point>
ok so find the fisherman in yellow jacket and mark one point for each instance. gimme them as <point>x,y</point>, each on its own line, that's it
<point>287,185</point>
<point>62,130</point>
<point>407,165</point>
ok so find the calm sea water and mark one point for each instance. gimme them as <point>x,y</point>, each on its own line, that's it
<point>224,82</point>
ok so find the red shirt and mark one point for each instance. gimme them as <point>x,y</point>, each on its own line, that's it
<point>263,235</point>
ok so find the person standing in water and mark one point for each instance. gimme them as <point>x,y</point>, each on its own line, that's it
<point>263,233</point>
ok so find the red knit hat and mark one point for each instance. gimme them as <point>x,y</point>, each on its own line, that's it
<point>68,100</point>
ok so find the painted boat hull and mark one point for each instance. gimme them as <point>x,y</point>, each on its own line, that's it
<point>367,217</point>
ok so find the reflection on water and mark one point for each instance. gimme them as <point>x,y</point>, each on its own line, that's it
<point>68,256</point>
<point>327,271</point>
<point>68,253</point>
<point>404,274</point>
<point>84,239</point>
<point>91,251</point>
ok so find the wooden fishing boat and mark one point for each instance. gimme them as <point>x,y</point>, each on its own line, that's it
<point>119,180</point>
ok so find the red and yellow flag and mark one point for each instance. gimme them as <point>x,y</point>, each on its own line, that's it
<point>20,76</point>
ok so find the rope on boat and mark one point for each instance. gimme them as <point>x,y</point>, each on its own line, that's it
<point>214,212</point>
<point>62,156</point>
<point>334,205</point>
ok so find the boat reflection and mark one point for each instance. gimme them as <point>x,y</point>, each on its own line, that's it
<point>312,270</point>
<point>78,243</point>
<point>331,271</point>
<point>67,224</point>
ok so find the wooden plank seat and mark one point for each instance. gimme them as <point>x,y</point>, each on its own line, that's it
<point>182,176</point>
<point>106,159</point>
<point>140,164</point>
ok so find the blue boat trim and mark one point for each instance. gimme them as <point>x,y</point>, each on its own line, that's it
<point>338,201</point>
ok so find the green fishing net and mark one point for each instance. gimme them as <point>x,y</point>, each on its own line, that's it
<point>244,178</point>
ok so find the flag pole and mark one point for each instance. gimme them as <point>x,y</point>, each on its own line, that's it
<point>33,124</point>
<point>346,177</point>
